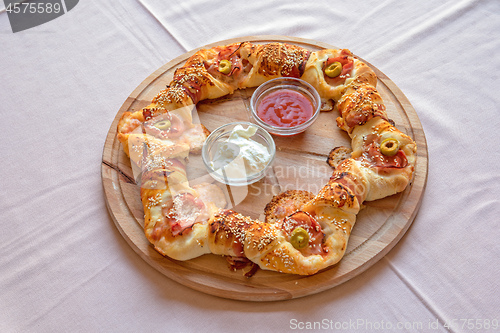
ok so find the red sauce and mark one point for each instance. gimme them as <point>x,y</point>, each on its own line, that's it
<point>285,108</point>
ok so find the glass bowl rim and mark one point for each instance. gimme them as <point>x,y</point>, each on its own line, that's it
<point>225,129</point>
<point>275,84</point>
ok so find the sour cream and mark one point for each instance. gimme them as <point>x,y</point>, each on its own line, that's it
<point>239,156</point>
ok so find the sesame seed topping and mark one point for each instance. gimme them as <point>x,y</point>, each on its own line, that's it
<point>358,100</point>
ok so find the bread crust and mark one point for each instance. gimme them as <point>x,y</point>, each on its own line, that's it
<point>286,203</point>
<point>337,155</point>
<point>184,221</point>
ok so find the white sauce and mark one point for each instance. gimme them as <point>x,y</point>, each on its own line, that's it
<point>239,156</point>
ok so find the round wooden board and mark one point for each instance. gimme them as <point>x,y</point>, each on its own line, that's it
<point>299,164</point>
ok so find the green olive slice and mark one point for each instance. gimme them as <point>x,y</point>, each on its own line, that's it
<point>389,147</point>
<point>334,69</point>
<point>224,66</point>
<point>163,124</point>
<point>299,238</point>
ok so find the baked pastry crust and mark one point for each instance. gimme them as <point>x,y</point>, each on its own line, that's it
<point>184,221</point>
<point>285,204</point>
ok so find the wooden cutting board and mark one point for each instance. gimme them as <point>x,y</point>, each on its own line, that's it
<point>300,163</point>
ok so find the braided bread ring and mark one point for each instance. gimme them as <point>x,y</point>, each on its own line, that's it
<point>364,176</point>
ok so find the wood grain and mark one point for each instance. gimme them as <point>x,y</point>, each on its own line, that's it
<point>300,164</point>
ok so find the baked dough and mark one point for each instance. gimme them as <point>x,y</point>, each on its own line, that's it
<point>184,221</point>
<point>285,204</point>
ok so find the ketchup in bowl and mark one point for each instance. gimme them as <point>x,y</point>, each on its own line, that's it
<point>285,108</point>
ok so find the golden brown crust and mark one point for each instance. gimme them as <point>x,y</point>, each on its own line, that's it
<point>337,195</point>
<point>328,216</point>
<point>128,122</point>
<point>359,104</point>
<point>337,155</point>
<point>384,178</point>
<point>240,66</point>
<point>198,82</point>
<point>172,97</point>
<point>286,203</point>
<point>364,74</point>
<point>285,258</point>
<point>273,60</point>
<point>314,74</point>
<point>260,239</point>
<point>227,232</point>
<point>349,174</point>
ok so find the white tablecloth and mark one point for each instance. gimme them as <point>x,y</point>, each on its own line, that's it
<point>64,267</point>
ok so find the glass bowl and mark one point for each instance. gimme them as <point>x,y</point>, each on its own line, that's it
<point>236,174</point>
<point>294,84</point>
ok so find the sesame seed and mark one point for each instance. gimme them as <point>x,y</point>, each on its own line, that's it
<point>358,99</point>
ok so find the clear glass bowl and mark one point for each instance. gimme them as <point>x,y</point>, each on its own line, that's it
<point>219,136</point>
<point>285,83</point>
